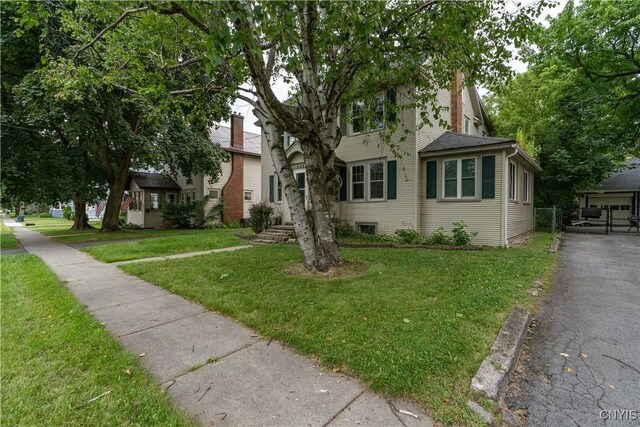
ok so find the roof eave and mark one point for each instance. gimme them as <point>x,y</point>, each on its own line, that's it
<point>465,150</point>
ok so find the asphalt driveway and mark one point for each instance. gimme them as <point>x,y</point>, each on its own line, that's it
<point>581,363</point>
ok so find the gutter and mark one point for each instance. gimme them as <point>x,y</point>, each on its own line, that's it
<point>505,195</point>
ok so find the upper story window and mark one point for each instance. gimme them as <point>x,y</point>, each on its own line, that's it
<point>460,178</point>
<point>467,125</point>
<point>288,140</point>
<point>513,181</point>
<point>366,117</point>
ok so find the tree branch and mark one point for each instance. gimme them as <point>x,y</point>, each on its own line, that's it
<point>183,64</point>
<point>113,25</point>
<point>177,9</point>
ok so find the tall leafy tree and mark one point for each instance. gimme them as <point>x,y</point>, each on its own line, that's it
<point>41,162</point>
<point>578,102</point>
<point>144,105</point>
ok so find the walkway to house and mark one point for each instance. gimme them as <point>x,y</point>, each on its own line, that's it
<point>219,372</point>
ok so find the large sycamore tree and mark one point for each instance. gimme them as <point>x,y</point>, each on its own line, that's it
<point>333,53</point>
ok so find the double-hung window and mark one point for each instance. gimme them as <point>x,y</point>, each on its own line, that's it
<point>366,117</point>
<point>357,182</point>
<point>513,181</point>
<point>376,180</point>
<point>460,178</point>
<point>526,187</point>
<point>368,181</point>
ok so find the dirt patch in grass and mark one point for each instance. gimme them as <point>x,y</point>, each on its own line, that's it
<point>344,270</point>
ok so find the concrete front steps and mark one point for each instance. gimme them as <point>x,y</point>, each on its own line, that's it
<point>276,234</point>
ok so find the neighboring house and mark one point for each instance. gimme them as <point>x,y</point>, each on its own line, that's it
<point>619,194</point>
<point>150,192</point>
<point>238,186</point>
<point>443,177</point>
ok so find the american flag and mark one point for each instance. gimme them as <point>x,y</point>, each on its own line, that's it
<point>100,207</point>
<point>126,201</point>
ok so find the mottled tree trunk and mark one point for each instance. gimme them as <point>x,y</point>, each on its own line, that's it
<point>80,219</point>
<point>117,184</point>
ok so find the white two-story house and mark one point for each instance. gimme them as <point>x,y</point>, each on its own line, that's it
<point>445,174</point>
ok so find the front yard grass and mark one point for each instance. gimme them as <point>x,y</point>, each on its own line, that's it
<point>56,358</point>
<point>414,323</point>
<point>7,239</point>
<point>159,246</point>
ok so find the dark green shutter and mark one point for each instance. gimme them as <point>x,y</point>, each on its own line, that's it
<point>432,178</point>
<point>343,187</point>
<point>391,104</point>
<point>488,177</point>
<point>343,120</point>
<point>392,180</point>
<point>271,188</point>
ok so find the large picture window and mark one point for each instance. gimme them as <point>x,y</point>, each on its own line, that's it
<point>459,178</point>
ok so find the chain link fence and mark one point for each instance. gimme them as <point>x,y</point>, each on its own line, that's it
<point>547,219</point>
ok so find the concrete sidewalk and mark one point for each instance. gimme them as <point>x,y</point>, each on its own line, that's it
<point>219,372</point>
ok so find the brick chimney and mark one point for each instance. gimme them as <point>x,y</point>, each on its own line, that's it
<point>456,103</point>
<point>233,190</point>
<point>237,130</point>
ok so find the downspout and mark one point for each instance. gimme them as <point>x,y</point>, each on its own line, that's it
<point>505,196</point>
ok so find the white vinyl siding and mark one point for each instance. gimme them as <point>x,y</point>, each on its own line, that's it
<point>481,215</point>
<point>519,215</point>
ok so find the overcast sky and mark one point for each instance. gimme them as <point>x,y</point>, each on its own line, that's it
<point>282,90</point>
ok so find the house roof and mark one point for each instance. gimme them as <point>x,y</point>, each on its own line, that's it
<point>626,179</point>
<point>453,141</point>
<point>222,135</point>
<point>153,180</point>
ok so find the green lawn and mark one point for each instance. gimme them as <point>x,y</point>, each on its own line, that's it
<point>87,236</point>
<point>172,244</point>
<point>56,358</point>
<point>53,226</point>
<point>7,239</point>
<point>408,322</point>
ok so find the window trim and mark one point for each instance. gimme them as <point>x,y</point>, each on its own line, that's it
<point>364,182</point>
<point>244,195</point>
<point>459,178</point>
<point>155,205</point>
<point>526,196</point>
<point>371,181</point>
<point>513,182</point>
<point>367,180</point>
<point>367,224</point>
<point>382,100</point>
<point>211,196</point>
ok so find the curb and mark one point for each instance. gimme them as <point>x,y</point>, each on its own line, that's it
<point>555,244</point>
<point>496,369</point>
